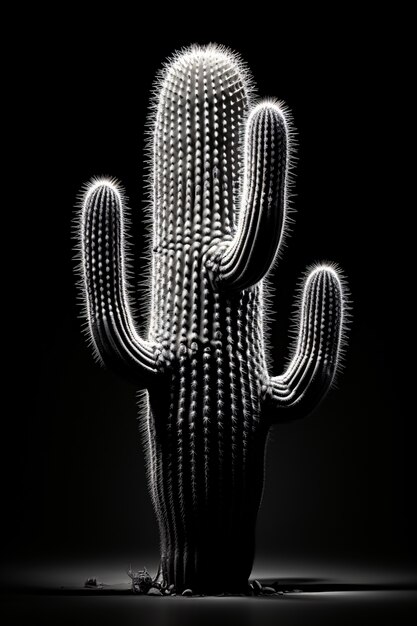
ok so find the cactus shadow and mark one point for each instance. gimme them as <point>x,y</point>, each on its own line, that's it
<point>298,586</point>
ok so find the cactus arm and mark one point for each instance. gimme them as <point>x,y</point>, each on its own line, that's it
<point>110,324</point>
<point>312,368</point>
<point>253,249</point>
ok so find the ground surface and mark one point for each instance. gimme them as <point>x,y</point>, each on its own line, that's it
<point>341,598</point>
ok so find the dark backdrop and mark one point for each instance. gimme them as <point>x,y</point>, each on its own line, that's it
<point>339,484</point>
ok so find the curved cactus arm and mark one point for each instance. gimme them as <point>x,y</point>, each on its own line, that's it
<point>253,249</point>
<point>103,284</point>
<point>313,366</point>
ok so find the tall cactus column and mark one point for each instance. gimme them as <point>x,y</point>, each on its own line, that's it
<point>219,208</point>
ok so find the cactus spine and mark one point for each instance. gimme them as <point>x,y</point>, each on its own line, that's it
<point>219,185</point>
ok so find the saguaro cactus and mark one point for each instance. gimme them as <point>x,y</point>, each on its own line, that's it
<point>219,188</point>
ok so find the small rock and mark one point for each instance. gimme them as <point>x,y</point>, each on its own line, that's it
<point>153,591</point>
<point>257,587</point>
<point>187,592</point>
<point>268,590</point>
<point>90,582</point>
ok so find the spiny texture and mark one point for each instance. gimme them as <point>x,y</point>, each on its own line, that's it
<point>219,207</point>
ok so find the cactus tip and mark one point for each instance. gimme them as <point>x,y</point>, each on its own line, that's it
<point>102,181</point>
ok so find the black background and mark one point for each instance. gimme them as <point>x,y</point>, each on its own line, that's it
<point>339,484</point>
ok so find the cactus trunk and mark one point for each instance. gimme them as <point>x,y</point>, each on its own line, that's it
<point>219,195</point>
<point>207,459</point>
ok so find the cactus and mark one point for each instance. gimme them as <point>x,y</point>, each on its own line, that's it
<point>219,185</point>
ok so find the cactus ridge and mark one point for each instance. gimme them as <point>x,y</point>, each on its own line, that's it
<point>219,199</point>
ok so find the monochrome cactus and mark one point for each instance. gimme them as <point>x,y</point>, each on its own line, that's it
<point>219,184</point>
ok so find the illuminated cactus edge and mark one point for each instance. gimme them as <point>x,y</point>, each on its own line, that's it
<point>219,194</point>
